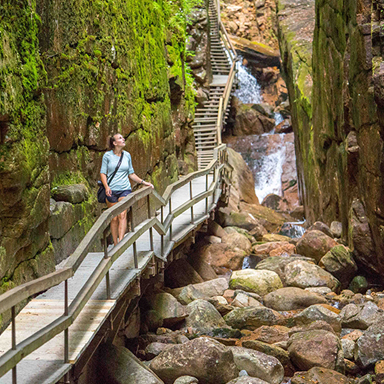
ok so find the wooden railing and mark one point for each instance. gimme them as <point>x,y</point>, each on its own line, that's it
<point>99,230</point>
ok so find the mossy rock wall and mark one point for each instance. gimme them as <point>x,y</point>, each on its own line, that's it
<point>71,74</point>
<point>339,140</point>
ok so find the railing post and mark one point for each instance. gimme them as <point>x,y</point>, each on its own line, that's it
<point>150,229</point>
<point>134,244</point>
<point>214,188</point>
<point>191,197</point>
<point>170,211</point>
<point>66,330</point>
<point>206,189</point>
<point>14,373</point>
<point>107,281</point>
<point>162,236</point>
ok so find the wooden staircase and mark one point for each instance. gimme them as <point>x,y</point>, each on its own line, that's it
<point>210,116</point>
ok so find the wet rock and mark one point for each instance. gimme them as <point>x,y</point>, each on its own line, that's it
<point>315,244</point>
<point>203,358</point>
<point>277,264</point>
<point>315,348</point>
<point>340,263</point>
<point>336,229</point>
<point>250,121</point>
<point>63,217</point>
<point>203,317</point>
<point>258,281</point>
<point>360,316</point>
<point>303,275</point>
<point>119,365</point>
<point>370,346</point>
<point>252,317</point>
<point>205,290</point>
<point>318,312</point>
<point>358,284</point>
<point>180,273</point>
<point>186,380</point>
<point>319,226</point>
<point>275,202</point>
<point>237,240</point>
<point>74,193</point>
<point>298,213</point>
<point>320,375</point>
<point>258,364</point>
<point>268,349</point>
<point>284,127</point>
<point>287,299</point>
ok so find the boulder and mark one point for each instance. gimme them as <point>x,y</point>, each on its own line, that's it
<point>206,359</point>
<point>275,202</point>
<point>290,298</point>
<point>277,248</point>
<point>243,231</point>
<point>186,380</point>
<point>215,229</point>
<point>339,262</point>
<point>252,317</point>
<point>348,348</point>
<point>202,268</point>
<point>180,273</point>
<point>243,300</point>
<point>169,310</point>
<point>237,240</point>
<point>268,349</point>
<point>273,237</point>
<point>320,375</point>
<point>318,312</point>
<point>278,263</point>
<point>258,281</point>
<point>203,317</point>
<point>120,366</point>
<point>247,380</point>
<point>73,193</point>
<point>303,275</point>
<point>258,364</point>
<point>242,179</point>
<point>270,334</point>
<point>360,316</point>
<point>336,229</point>
<point>221,257</point>
<point>229,218</point>
<point>203,290</point>
<point>359,284</point>
<point>315,348</point>
<point>315,244</point>
<point>370,346</point>
<point>317,324</point>
<point>319,226</point>
<point>154,349</point>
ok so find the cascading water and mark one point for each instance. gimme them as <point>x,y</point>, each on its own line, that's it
<point>268,166</point>
<point>249,90</point>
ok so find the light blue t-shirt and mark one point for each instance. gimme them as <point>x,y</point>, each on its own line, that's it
<point>120,181</point>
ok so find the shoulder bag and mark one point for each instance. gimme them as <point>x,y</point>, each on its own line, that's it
<point>101,195</point>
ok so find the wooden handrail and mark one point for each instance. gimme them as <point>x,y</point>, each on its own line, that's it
<point>228,39</point>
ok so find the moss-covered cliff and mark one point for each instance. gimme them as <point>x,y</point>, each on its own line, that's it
<point>72,73</point>
<point>339,141</point>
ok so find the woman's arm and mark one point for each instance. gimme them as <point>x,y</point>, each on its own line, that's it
<point>138,180</point>
<point>103,178</point>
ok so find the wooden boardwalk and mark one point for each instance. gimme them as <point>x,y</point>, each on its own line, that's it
<point>85,294</point>
<point>46,365</point>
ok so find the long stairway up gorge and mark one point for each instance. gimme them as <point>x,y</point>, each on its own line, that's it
<point>207,117</point>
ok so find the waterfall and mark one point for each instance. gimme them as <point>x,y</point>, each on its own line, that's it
<point>249,90</point>
<point>269,172</point>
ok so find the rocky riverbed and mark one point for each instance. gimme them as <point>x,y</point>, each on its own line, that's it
<point>252,303</point>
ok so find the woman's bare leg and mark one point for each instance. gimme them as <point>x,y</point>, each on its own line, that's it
<point>114,224</point>
<point>122,223</point>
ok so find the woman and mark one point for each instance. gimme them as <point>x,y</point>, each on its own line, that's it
<point>120,186</point>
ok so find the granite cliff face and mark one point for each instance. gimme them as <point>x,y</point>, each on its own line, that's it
<point>336,97</point>
<point>72,73</point>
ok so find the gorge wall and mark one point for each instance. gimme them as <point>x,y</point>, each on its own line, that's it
<point>332,54</point>
<point>71,74</point>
